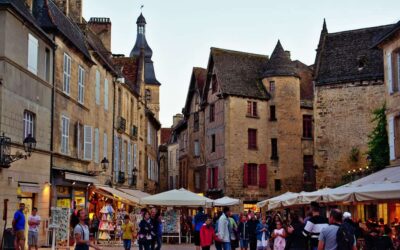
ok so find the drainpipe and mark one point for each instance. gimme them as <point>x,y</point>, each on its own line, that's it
<point>53,91</point>
<point>113,135</point>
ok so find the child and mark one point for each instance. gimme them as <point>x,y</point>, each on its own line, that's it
<point>244,233</point>
<point>262,235</point>
<point>207,234</point>
<point>279,236</point>
<point>127,232</point>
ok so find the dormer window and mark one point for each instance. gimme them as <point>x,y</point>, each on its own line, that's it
<point>362,62</point>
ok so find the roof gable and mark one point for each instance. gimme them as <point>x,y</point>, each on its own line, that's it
<point>197,81</point>
<point>129,67</point>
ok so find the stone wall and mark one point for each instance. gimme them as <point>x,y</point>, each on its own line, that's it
<point>342,118</point>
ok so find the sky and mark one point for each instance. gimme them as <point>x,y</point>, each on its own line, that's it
<point>181,32</point>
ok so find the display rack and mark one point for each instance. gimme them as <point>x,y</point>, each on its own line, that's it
<point>106,223</point>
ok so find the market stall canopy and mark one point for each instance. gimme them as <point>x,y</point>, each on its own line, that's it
<point>278,201</point>
<point>226,201</point>
<point>135,193</point>
<point>115,193</point>
<point>177,198</point>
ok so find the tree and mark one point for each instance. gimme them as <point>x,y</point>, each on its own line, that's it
<point>378,147</point>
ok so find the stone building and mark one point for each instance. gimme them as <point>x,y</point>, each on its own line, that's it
<point>349,86</point>
<point>26,84</point>
<point>253,109</point>
<point>173,154</point>
<point>83,101</point>
<point>389,42</point>
<point>194,115</point>
<point>137,98</point>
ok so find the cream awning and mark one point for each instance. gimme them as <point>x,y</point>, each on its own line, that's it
<point>27,187</point>
<point>115,193</point>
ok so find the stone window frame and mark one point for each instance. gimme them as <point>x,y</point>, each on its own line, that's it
<point>212,113</point>
<point>252,138</point>
<point>308,126</point>
<point>274,149</point>
<point>252,110</point>
<point>213,143</point>
<point>272,113</point>
<point>252,174</point>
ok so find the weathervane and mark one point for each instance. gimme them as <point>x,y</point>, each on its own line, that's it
<point>141,8</point>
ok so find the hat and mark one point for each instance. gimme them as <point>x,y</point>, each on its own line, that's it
<point>346,215</point>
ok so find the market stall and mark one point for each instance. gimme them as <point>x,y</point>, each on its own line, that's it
<point>226,201</point>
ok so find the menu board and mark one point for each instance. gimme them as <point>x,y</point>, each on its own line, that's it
<point>60,220</point>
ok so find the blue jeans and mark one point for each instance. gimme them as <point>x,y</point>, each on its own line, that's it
<point>145,245</point>
<point>226,245</point>
<point>127,244</point>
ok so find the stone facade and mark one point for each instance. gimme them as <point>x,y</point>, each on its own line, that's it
<point>390,45</point>
<point>25,89</point>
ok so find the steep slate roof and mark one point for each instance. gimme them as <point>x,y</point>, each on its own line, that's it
<point>280,63</point>
<point>238,73</point>
<point>197,81</point>
<point>389,33</point>
<point>129,68</point>
<point>22,9</point>
<point>165,135</point>
<point>51,18</point>
<point>341,54</point>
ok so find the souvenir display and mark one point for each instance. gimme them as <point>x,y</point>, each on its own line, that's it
<point>60,219</point>
<point>171,222</point>
<point>106,222</point>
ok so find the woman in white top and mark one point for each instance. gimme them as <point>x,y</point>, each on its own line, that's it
<point>279,236</point>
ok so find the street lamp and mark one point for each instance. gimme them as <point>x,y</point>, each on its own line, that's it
<point>104,164</point>
<point>6,158</point>
<point>134,176</point>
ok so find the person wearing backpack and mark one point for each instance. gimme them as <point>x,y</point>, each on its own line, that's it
<point>336,236</point>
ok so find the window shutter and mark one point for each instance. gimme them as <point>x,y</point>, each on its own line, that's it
<point>122,144</point>
<point>134,155</point>
<point>245,175</point>
<point>215,177</point>
<point>262,183</point>
<point>96,145</point>
<point>129,159</point>
<point>105,145</point>
<point>97,90</point>
<point>209,178</point>
<point>391,138</point>
<point>106,94</point>
<point>116,154</point>
<point>389,72</point>
<point>87,146</point>
<point>32,54</point>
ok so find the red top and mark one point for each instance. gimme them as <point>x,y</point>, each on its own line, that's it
<point>206,235</point>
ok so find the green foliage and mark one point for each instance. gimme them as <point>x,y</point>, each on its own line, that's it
<point>354,154</point>
<point>378,147</point>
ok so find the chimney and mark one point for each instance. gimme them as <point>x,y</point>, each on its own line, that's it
<point>287,53</point>
<point>176,119</point>
<point>101,26</point>
<point>71,8</point>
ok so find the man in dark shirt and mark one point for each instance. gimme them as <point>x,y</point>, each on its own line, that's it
<point>253,222</point>
<point>155,221</point>
<point>315,225</point>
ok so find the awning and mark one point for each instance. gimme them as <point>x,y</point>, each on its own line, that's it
<point>135,193</point>
<point>27,187</point>
<point>226,201</point>
<point>80,178</point>
<point>177,198</point>
<point>115,193</point>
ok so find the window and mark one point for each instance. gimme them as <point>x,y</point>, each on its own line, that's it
<point>252,109</point>
<point>123,159</point>
<point>212,177</point>
<point>106,94</point>
<point>29,124</point>
<point>105,145</point>
<point>252,138</point>
<point>64,135</point>
<point>278,185</point>
<point>196,121</point>
<point>252,174</point>
<point>97,87</point>
<point>272,87</point>
<point>78,137</point>
<point>96,145</point>
<point>395,136</point>
<point>307,126</point>
<point>116,157</point>
<point>171,182</point>
<point>32,54</point>
<point>197,180</point>
<point>212,143</point>
<point>214,83</point>
<point>81,84</point>
<point>67,73</point>
<point>272,113</point>
<point>47,58</point>
<point>274,149</point>
<point>309,173</point>
<point>148,95</point>
<point>129,159</point>
<point>87,143</point>
<point>212,112</point>
<point>196,148</point>
<point>119,102</point>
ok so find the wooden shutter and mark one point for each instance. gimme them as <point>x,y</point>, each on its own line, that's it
<point>245,175</point>
<point>215,177</point>
<point>391,138</point>
<point>209,178</point>
<point>106,94</point>
<point>33,46</point>
<point>87,146</point>
<point>262,182</point>
<point>389,72</point>
<point>96,145</point>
